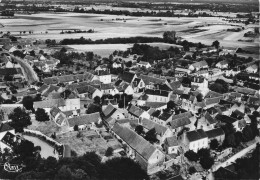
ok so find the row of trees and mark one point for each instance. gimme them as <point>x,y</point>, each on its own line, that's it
<point>88,166</point>
<point>203,156</point>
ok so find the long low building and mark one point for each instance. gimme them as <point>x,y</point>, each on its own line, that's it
<point>150,158</point>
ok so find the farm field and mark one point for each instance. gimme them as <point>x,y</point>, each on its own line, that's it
<point>107,49</point>
<point>205,30</point>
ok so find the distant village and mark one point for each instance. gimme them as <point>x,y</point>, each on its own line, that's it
<point>157,119</point>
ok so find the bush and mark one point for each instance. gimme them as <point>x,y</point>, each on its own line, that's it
<point>109,152</point>
<point>191,155</point>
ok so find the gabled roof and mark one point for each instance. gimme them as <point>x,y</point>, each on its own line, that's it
<point>86,89</point>
<point>127,76</point>
<point>225,119</point>
<point>148,124</point>
<point>51,80</point>
<point>43,88</point>
<point>138,143</point>
<point>175,85</point>
<point>213,133</point>
<point>49,103</point>
<point>152,80</point>
<point>156,92</point>
<point>213,94</point>
<point>199,64</point>
<point>253,100</point>
<point>210,101</point>
<point>8,71</point>
<point>196,135</point>
<point>143,63</point>
<point>210,119</point>
<point>109,110</point>
<point>155,104</point>
<point>180,122</point>
<point>171,141</point>
<point>135,111</point>
<point>181,115</point>
<point>224,62</point>
<point>85,119</point>
<point>54,111</point>
<point>165,116</point>
<point>5,127</point>
<point>51,89</point>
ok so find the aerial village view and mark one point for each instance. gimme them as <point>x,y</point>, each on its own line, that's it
<point>129,90</point>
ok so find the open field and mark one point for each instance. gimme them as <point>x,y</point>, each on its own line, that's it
<point>106,49</point>
<point>205,30</point>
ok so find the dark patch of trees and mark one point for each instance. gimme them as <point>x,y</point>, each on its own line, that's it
<point>20,119</point>
<point>41,115</point>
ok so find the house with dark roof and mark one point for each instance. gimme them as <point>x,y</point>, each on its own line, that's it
<point>88,91</point>
<point>135,112</point>
<point>124,88</point>
<point>110,114</point>
<point>128,77</point>
<point>217,134</point>
<point>5,130</point>
<point>148,156</point>
<point>171,145</point>
<point>157,95</point>
<point>223,119</point>
<point>181,121</point>
<point>206,122</point>
<point>194,140</point>
<point>162,132</point>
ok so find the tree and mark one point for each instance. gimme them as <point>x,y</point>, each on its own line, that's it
<point>139,129</point>
<point>169,36</point>
<point>41,115</point>
<point>192,170</point>
<point>97,100</point>
<point>151,136</point>
<point>122,168</point>
<point>206,162</point>
<point>63,50</point>
<point>215,44</point>
<point>247,134</point>
<point>76,128</point>
<point>171,105</point>
<point>24,149</point>
<point>191,155</point>
<point>109,151</point>
<point>20,119</point>
<point>28,102</point>
<point>214,144</point>
<point>203,152</point>
<point>199,97</point>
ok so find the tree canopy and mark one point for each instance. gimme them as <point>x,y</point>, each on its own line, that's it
<point>41,115</point>
<point>20,119</point>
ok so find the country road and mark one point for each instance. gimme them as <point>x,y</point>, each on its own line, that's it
<point>29,73</point>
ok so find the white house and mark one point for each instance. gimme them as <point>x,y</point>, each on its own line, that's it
<point>222,64</point>
<point>194,140</point>
<point>138,85</point>
<point>103,76</point>
<point>144,64</point>
<point>156,96</point>
<point>252,69</point>
<point>88,92</point>
<point>111,114</point>
<point>201,83</point>
<point>116,65</point>
<point>198,65</point>
<point>171,145</point>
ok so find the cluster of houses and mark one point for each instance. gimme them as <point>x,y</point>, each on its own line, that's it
<point>189,123</point>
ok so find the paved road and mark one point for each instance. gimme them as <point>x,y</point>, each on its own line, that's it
<point>29,73</point>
